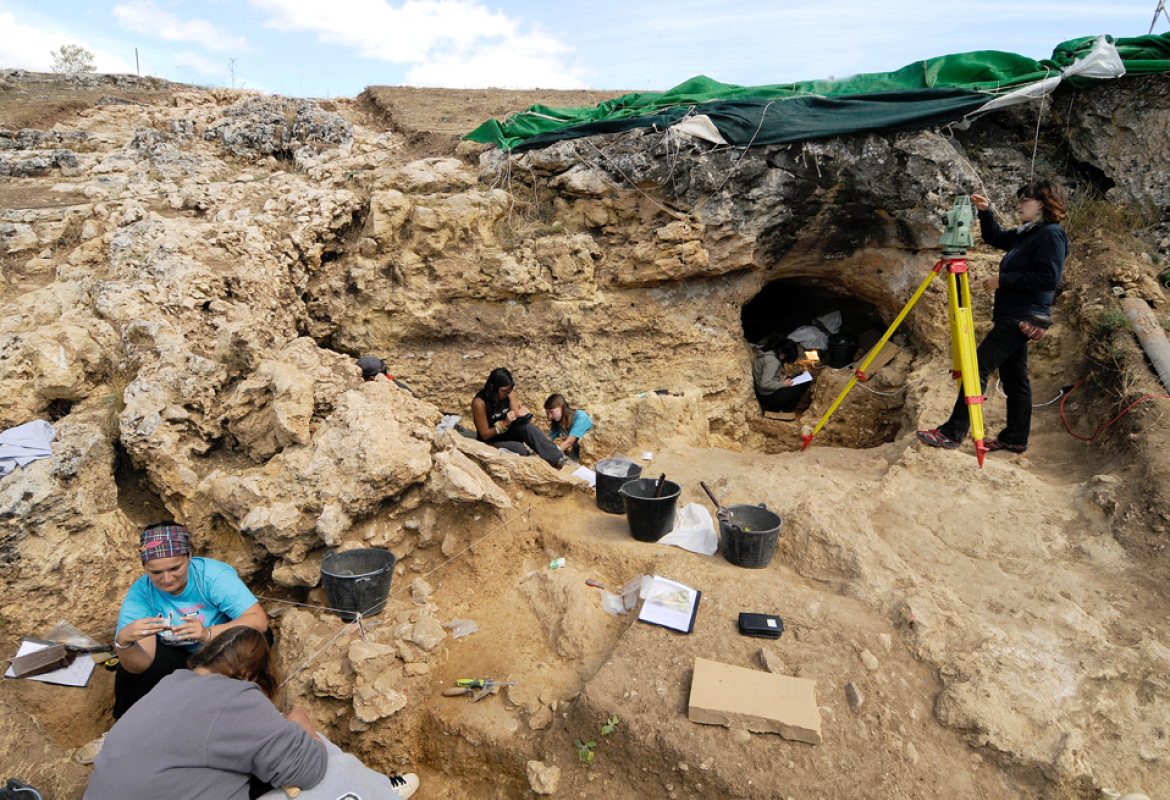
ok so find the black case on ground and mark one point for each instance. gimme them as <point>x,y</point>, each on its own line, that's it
<point>763,626</point>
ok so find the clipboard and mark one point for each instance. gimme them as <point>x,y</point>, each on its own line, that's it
<point>76,674</point>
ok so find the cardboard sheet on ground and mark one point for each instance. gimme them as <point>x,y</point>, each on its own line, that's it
<point>693,530</point>
<point>76,674</point>
<point>722,694</point>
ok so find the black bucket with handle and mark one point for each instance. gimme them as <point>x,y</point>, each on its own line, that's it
<point>650,517</point>
<point>612,474</point>
<point>358,581</point>
<point>750,539</point>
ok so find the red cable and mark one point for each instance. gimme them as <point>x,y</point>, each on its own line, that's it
<point>1110,422</point>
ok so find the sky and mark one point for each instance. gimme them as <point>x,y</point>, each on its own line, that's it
<point>329,48</point>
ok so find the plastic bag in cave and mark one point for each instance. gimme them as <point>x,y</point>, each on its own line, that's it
<point>831,321</point>
<point>810,337</point>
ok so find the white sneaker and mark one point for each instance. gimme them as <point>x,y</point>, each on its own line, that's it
<point>88,752</point>
<point>405,785</point>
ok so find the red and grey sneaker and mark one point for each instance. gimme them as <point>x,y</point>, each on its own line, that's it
<point>999,444</point>
<point>935,438</point>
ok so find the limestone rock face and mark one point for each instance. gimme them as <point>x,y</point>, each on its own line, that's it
<point>66,550</point>
<point>377,428</point>
<point>1118,132</point>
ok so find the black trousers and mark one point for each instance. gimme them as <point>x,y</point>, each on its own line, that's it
<point>1005,349</point>
<point>517,436</point>
<point>130,687</point>
<point>784,399</point>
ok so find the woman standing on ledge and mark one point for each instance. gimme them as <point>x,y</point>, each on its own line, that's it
<point>1028,277</point>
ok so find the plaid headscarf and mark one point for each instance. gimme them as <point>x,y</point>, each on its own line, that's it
<point>164,541</point>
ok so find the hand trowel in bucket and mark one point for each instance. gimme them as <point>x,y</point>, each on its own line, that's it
<point>725,515</point>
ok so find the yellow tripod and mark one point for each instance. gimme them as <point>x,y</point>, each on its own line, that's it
<point>964,364</point>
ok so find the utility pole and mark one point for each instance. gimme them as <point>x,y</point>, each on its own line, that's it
<point>1161,9</point>
<point>232,70</point>
<point>137,66</point>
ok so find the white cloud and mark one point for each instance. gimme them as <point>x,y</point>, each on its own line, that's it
<point>448,42</point>
<point>22,47</point>
<point>526,62</point>
<point>143,16</point>
<point>200,64</point>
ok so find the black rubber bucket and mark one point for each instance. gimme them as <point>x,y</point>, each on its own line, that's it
<point>754,544</point>
<point>609,498</point>
<point>842,346</point>
<point>358,581</point>
<point>650,517</point>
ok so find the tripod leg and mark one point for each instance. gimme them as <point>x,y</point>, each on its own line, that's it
<point>964,347</point>
<point>873,353</point>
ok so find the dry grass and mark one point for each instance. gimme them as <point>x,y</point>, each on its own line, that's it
<point>44,766</point>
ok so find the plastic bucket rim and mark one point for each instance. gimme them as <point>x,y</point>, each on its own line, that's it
<point>676,492</point>
<point>378,571</point>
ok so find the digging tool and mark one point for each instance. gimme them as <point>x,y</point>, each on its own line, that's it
<point>482,683</point>
<point>725,515</point>
<point>661,483</point>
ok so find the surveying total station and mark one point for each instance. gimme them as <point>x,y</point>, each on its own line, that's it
<point>954,242</point>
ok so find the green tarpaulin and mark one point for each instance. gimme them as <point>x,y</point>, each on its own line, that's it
<point>932,92</point>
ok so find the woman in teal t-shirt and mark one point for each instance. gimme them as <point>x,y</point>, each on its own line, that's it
<point>568,424</point>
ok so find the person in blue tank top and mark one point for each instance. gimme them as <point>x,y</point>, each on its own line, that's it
<point>171,612</point>
<point>568,424</point>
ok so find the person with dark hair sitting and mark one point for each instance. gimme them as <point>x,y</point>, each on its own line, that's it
<point>503,421</point>
<point>215,732</point>
<point>772,373</point>
<point>169,613</point>
<point>568,424</point>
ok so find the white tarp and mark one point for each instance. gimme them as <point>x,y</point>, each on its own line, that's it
<point>701,127</point>
<point>24,444</point>
<point>1102,62</point>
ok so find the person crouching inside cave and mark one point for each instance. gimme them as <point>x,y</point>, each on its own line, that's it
<point>568,425</point>
<point>1028,278</point>
<point>171,612</point>
<point>772,373</point>
<point>374,368</point>
<point>502,421</point>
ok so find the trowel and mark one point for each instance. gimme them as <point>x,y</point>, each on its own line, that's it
<point>725,515</point>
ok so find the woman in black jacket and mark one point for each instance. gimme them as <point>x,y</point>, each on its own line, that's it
<point>1028,277</point>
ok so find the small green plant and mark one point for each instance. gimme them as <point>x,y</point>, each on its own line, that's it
<point>584,750</point>
<point>611,725</point>
<point>1110,321</point>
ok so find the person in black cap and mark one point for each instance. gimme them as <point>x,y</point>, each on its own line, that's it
<point>372,367</point>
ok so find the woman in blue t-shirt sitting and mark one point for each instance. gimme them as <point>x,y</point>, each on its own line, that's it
<point>568,424</point>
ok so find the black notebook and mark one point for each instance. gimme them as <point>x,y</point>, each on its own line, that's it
<point>764,626</point>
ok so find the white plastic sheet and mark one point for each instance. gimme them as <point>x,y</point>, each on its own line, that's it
<point>810,337</point>
<point>25,444</point>
<point>694,531</point>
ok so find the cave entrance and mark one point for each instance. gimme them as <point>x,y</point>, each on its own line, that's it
<point>872,413</point>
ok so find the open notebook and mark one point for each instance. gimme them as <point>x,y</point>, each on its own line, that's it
<point>670,604</point>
